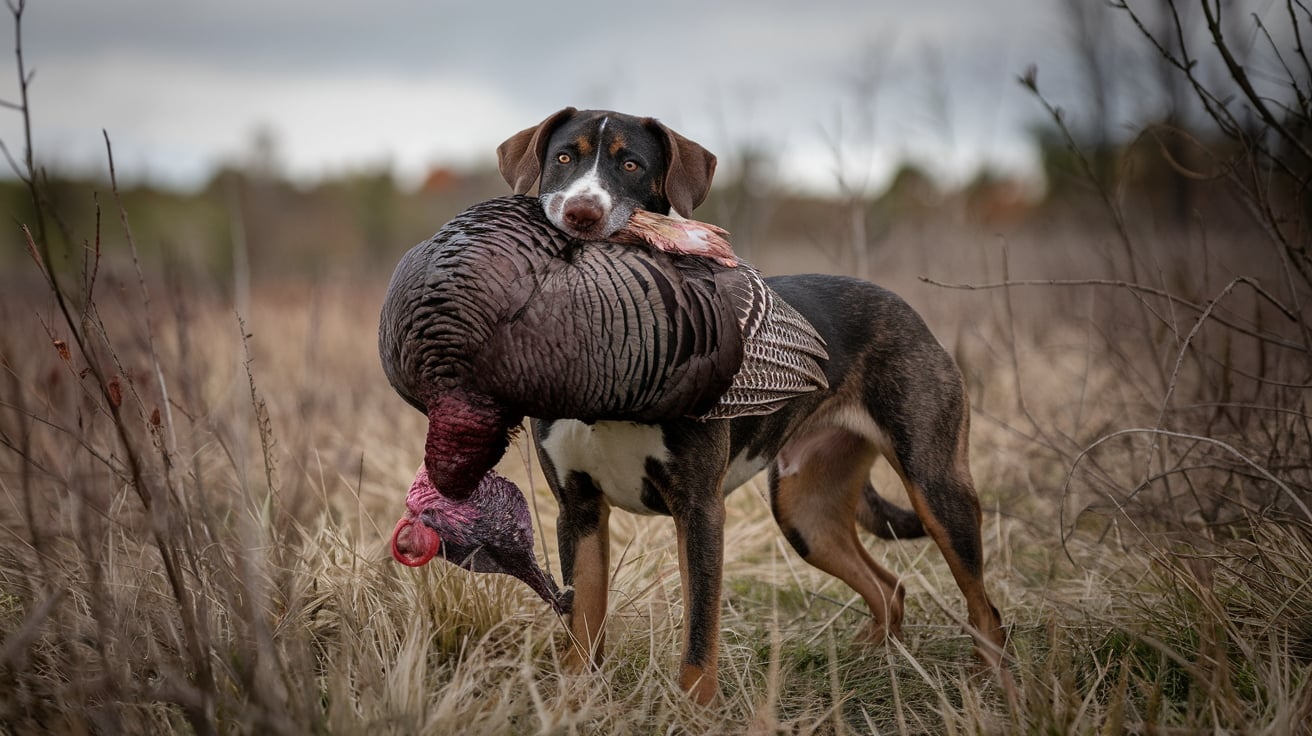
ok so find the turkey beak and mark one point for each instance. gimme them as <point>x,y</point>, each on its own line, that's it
<point>542,584</point>
<point>414,544</point>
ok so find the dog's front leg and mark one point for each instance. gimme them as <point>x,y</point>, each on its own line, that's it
<point>700,530</point>
<point>584,536</point>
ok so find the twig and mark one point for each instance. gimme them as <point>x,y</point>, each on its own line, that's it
<point>1030,81</point>
<point>107,460</point>
<point>1179,363</point>
<point>1299,48</point>
<point>1131,286</point>
<point>17,168</point>
<point>1289,73</point>
<point>90,271</point>
<point>1015,356</point>
<point>16,8</point>
<point>200,716</point>
<point>1070,475</point>
<point>1240,77</point>
<point>262,421</point>
<point>170,440</point>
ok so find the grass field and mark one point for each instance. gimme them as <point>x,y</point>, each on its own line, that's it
<point>201,461</point>
<point>195,509</point>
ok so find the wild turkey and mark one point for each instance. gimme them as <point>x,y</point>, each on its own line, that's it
<point>500,316</point>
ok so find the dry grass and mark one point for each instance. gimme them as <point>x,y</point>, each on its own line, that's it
<point>255,593</point>
<point>195,502</point>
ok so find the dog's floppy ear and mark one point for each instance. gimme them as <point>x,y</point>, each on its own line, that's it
<point>520,157</point>
<point>688,172</point>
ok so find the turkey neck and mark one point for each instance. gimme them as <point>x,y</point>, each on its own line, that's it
<point>467,434</point>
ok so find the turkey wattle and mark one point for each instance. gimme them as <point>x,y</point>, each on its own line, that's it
<point>500,316</point>
<point>490,531</point>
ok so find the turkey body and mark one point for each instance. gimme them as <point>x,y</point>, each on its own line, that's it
<point>503,304</point>
<point>500,316</point>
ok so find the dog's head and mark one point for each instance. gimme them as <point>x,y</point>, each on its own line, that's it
<point>595,167</point>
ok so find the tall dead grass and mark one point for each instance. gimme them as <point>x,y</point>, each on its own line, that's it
<point>195,497</point>
<point>288,462</point>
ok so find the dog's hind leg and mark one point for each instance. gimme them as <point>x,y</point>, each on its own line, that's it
<point>938,482</point>
<point>815,487</point>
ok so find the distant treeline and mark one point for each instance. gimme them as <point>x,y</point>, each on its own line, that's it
<point>358,224</point>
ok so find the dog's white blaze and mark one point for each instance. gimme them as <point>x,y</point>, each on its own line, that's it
<point>613,454</point>
<point>601,139</point>
<point>589,185</point>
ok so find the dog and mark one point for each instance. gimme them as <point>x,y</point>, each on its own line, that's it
<point>893,391</point>
<point>594,168</point>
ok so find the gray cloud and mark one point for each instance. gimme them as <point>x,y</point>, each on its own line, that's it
<point>183,84</point>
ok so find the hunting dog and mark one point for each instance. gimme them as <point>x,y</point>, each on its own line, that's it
<point>893,391</point>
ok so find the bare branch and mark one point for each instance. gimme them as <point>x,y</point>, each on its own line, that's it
<point>14,165</point>
<point>1289,73</point>
<point>170,441</point>
<point>1179,363</point>
<point>1299,48</point>
<point>1214,106</point>
<point>36,257</point>
<point>1266,474</point>
<point>1030,82</point>
<point>1169,158</point>
<point>1240,77</point>
<point>1264,336</point>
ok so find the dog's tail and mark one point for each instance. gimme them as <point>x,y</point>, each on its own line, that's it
<point>886,520</point>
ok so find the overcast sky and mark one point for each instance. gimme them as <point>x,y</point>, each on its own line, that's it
<point>183,85</point>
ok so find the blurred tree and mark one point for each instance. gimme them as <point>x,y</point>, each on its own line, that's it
<point>262,160</point>
<point>744,202</point>
<point>912,191</point>
<point>1095,50</point>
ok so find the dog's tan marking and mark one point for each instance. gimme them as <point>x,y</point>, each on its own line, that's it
<point>988,632</point>
<point>616,144</point>
<point>700,683</point>
<point>584,145</point>
<point>587,620</point>
<point>817,500</point>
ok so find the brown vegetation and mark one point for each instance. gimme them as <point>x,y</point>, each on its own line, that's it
<point>200,461</point>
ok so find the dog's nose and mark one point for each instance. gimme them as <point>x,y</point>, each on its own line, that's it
<point>582,213</point>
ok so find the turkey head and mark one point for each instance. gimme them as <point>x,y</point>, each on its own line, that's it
<point>489,530</point>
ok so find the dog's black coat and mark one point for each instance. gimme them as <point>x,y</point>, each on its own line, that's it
<point>893,391</point>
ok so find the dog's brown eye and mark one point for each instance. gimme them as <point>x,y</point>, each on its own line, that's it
<point>630,165</point>
<point>563,158</point>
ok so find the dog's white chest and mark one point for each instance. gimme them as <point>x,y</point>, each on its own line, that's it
<point>613,454</point>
